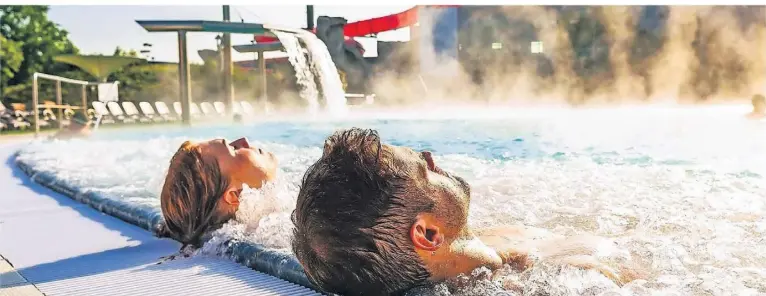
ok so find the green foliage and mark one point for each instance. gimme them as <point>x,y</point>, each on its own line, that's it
<point>30,41</point>
<point>10,60</point>
<point>135,82</point>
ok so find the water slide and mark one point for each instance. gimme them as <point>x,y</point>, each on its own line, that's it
<point>367,27</point>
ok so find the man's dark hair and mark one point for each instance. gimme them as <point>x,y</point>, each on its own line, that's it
<point>352,220</point>
<point>758,99</point>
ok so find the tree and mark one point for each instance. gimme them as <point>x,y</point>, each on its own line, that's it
<point>28,30</point>
<point>10,60</point>
<point>134,81</point>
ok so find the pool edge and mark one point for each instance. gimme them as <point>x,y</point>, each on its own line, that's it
<point>257,257</point>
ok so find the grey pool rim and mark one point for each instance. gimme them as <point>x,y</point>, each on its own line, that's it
<point>278,264</point>
<point>257,257</point>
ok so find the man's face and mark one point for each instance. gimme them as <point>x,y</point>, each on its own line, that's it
<point>450,194</point>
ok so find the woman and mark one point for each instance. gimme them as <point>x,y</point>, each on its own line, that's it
<point>203,184</point>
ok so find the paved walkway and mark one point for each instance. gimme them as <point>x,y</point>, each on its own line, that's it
<point>12,283</point>
<point>62,247</point>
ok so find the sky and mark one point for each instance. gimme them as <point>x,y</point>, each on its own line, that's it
<point>99,29</point>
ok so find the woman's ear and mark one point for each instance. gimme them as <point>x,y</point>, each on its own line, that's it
<point>425,234</point>
<point>231,196</point>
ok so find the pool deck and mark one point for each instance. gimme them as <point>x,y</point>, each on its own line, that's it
<point>53,245</point>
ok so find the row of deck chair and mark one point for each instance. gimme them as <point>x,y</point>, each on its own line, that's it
<point>112,112</point>
<point>13,119</point>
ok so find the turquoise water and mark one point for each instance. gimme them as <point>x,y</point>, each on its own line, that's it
<point>682,189</point>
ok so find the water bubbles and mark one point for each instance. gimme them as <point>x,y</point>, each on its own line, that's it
<point>263,217</point>
<point>683,195</point>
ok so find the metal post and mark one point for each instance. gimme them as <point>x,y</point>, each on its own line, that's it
<point>228,88</point>
<point>85,100</point>
<point>184,89</point>
<point>262,66</point>
<point>35,102</point>
<point>310,17</point>
<point>59,112</point>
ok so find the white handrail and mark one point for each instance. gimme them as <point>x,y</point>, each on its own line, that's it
<point>35,100</point>
<point>62,79</point>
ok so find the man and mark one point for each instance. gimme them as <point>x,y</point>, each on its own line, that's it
<point>759,107</point>
<point>79,127</point>
<point>377,219</point>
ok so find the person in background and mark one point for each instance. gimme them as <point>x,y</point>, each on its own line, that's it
<point>759,107</point>
<point>79,127</point>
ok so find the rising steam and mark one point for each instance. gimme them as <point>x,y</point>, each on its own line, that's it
<point>606,54</point>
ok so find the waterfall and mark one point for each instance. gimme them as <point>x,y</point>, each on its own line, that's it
<point>303,72</point>
<point>319,65</point>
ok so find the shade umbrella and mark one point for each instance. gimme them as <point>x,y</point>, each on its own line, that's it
<point>99,66</point>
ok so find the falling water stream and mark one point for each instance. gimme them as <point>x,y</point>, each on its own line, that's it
<point>317,64</point>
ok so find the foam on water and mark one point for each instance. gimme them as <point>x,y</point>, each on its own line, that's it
<point>679,191</point>
<point>260,218</point>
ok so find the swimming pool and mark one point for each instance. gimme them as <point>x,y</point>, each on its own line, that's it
<point>681,188</point>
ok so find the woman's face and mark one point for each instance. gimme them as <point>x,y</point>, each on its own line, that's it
<point>240,162</point>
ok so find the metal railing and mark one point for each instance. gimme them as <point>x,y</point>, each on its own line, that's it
<point>59,104</point>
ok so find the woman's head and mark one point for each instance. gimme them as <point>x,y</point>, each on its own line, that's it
<point>203,183</point>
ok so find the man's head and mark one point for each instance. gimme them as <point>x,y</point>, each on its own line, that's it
<point>369,216</point>
<point>759,104</point>
<point>204,180</point>
<point>79,121</point>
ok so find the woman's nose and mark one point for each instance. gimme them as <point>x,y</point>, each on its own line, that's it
<point>240,143</point>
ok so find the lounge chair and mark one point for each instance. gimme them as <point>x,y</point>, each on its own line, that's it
<point>48,115</point>
<point>68,113</point>
<point>207,109</point>
<point>195,112</point>
<point>132,111</point>
<point>92,114</point>
<point>247,108</point>
<point>236,108</point>
<point>11,119</point>
<point>220,108</point>
<point>102,112</point>
<point>178,109</point>
<point>164,111</point>
<point>118,114</point>
<point>193,108</point>
<point>148,112</point>
<point>19,110</point>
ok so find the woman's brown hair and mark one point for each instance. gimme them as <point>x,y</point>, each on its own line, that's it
<point>190,196</point>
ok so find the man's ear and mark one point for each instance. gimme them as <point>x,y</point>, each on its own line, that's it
<point>426,234</point>
<point>231,196</point>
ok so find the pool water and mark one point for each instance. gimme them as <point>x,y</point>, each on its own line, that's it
<point>680,188</point>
